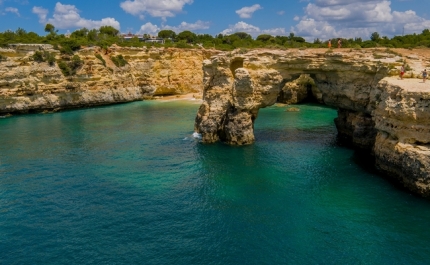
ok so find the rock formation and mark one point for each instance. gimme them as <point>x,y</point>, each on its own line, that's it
<point>386,117</point>
<point>29,86</point>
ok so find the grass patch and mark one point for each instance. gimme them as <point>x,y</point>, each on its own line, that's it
<point>98,56</point>
<point>119,60</point>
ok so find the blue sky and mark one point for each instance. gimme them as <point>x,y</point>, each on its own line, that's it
<point>311,19</point>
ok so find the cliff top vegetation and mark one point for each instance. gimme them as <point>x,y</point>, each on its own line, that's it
<point>105,36</point>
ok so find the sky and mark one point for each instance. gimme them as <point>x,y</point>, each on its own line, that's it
<point>311,19</point>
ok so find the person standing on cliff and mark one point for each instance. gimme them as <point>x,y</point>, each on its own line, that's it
<point>339,43</point>
<point>424,75</point>
<point>402,71</point>
<point>329,44</point>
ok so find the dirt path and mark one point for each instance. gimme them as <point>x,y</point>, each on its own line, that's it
<point>410,84</point>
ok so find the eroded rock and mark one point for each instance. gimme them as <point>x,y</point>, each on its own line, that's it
<point>376,114</point>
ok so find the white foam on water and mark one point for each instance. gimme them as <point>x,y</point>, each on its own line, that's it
<point>197,135</point>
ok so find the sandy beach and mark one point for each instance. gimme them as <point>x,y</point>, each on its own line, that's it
<point>188,96</point>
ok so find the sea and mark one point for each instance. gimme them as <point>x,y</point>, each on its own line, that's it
<point>133,184</point>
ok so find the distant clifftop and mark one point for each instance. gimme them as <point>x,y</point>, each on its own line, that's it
<point>30,86</point>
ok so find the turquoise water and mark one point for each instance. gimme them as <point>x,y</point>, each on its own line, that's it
<point>128,184</point>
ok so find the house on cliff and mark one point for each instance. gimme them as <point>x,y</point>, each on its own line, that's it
<point>142,38</point>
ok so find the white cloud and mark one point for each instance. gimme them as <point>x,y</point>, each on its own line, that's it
<point>12,10</point>
<point>198,25</point>
<point>326,19</point>
<point>155,8</point>
<point>67,16</point>
<point>247,11</point>
<point>252,30</point>
<point>41,12</point>
<point>149,28</point>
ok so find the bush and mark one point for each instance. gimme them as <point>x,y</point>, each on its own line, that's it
<point>76,62</point>
<point>45,56</point>
<point>70,68</point>
<point>38,57</point>
<point>182,45</point>
<point>69,46</point>
<point>119,60</point>
<point>50,58</point>
<point>98,56</point>
<point>64,67</point>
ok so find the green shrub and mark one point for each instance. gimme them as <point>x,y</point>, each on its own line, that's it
<point>98,56</point>
<point>119,60</point>
<point>70,68</point>
<point>64,67</point>
<point>182,45</point>
<point>45,56</point>
<point>50,58</point>
<point>69,46</point>
<point>38,57</point>
<point>76,62</point>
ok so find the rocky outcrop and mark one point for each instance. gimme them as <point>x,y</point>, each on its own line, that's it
<point>27,86</point>
<point>402,146</point>
<point>375,112</point>
<point>244,83</point>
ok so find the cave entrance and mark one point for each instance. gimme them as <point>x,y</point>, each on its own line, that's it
<point>300,88</point>
<point>235,64</point>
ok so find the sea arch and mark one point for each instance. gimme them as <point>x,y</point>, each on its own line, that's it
<point>384,120</point>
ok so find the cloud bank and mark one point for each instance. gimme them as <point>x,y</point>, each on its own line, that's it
<point>326,19</point>
<point>254,31</point>
<point>67,16</point>
<point>150,28</point>
<point>155,8</point>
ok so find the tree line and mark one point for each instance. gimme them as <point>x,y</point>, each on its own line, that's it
<point>105,36</point>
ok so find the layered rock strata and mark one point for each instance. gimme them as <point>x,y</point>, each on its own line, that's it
<point>376,113</point>
<point>27,86</point>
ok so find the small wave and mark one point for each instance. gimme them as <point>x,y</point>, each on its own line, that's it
<point>197,135</point>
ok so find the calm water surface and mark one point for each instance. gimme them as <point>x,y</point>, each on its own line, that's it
<point>128,184</point>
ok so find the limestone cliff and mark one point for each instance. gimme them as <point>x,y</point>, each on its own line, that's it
<point>26,85</point>
<point>386,117</point>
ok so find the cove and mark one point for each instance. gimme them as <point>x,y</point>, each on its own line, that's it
<point>127,184</point>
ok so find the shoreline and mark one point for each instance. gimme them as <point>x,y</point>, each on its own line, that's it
<point>187,96</point>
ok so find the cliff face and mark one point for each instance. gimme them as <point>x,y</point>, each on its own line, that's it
<point>386,117</point>
<point>26,85</point>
